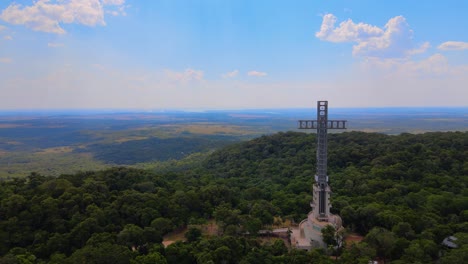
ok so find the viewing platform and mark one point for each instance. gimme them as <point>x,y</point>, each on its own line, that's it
<point>308,234</point>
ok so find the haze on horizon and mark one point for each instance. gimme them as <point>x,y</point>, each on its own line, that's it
<point>125,54</point>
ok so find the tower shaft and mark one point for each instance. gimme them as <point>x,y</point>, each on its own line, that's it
<point>321,191</point>
<point>321,176</point>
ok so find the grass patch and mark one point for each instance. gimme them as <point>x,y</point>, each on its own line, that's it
<point>211,129</point>
<point>56,150</point>
<point>174,236</point>
<point>50,163</point>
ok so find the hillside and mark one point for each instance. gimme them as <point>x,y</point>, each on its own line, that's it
<point>155,149</point>
<point>405,193</point>
<point>65,142</point>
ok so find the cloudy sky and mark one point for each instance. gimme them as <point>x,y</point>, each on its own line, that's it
<point>211,54</point>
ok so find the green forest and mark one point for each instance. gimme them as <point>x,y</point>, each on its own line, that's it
<point>403,193</point>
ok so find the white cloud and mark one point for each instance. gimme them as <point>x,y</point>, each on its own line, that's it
<point>8,37</point>
<point>453,45</point>
<point>395,40</point>
<point>347,31</point>
<point>6,60</point>
<point>256,73</point>
<point>113,13</point>
<point>423,48</point>
<point>231,74</point>
<point>113,2</point>
<point>402,83</point>
<point>185,76</point>
<point>388,74</point>
<point>55,45</point>
<point>118,10</point>
<point>48,15</point>
<point>2,28</point>
<point>434,66</point>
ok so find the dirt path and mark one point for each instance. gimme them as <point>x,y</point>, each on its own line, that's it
<point>209,229</point>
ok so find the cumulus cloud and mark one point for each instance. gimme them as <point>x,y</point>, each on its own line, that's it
<point>49,15</point>
<point>429,81</point>
<point>423,48</point>
<point>393,41</point>
<point>118,9</point>
<point>434,66</point>
<point>113,2</point>
<point>347,31</point>
<point>185,76</point>
<point>118,12</point>
<point>8,38</point>
<point>2,28</point>
<point>453,45</point>
<point>89,86</point>
<point>231,74</point>
<point>5,60</point>
<point>256,73</point>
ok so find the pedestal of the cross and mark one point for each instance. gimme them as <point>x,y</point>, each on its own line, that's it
<point>320,198</point>
<point>309,232</point>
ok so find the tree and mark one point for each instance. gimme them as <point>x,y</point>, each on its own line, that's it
<point>278,248</point>
<point>257,256</point>
<point>104,253</point>
<point>421,250</point>
<point>378,180</point>
<point>179,253</point>
<point>382,241</point>
<point>225,216</point>
<point>151,258</point>
<point>403,229</point>
<point>20,256</point>
<point>163,225</point>
<point>131,236</point>
<point>328,235</point>
<point>252,225</point>
<point>458,255</point>
<point>193,234</point>
<point>334,239</point>
<point>358,253</point>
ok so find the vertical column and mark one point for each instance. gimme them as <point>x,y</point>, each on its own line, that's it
<point>322,120</point>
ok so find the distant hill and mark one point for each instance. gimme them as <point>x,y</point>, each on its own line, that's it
<point>364,168</point>
<point>155,149</point>
<point>404,193</point>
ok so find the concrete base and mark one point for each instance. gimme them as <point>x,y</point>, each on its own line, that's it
<point>308,234</point>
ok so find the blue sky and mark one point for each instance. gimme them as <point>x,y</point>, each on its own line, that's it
<point>212,54</point>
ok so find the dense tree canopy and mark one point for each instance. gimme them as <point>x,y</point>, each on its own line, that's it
<point>404,193</point>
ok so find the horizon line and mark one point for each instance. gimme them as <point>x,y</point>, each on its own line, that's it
<point>200,110</point>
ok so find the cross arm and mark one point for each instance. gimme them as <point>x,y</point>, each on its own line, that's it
<point>313,124</point>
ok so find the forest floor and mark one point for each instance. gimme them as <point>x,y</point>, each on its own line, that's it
<point>209,229</point>
<point>174,236</point>
<point>212,229</point>
<point>353,238</point>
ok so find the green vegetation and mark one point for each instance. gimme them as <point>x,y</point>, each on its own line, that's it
<point>147,150</point>
<point>20,164</point>
<point>405,193</point>
<point>65,143</point>
<point>55,151</point>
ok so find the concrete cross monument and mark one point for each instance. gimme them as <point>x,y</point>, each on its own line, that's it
<point>308,234</point>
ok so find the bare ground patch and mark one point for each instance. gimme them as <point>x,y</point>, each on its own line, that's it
<point>174,236</point>
<point>353,238</point>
